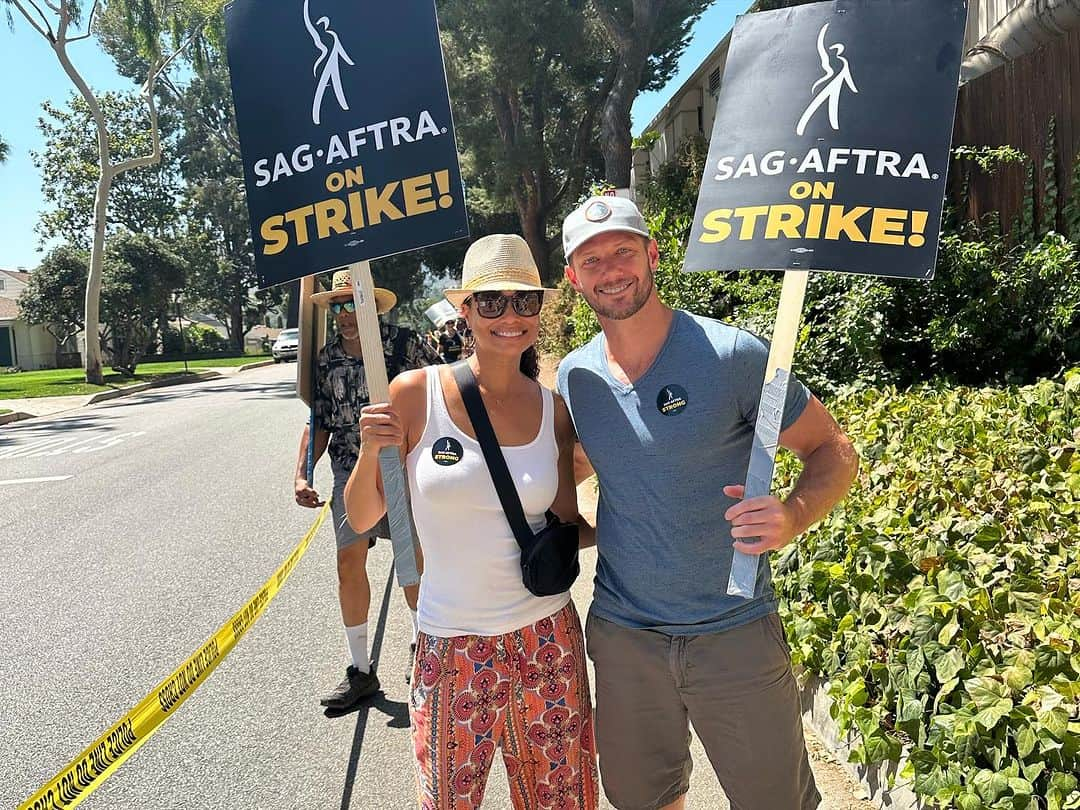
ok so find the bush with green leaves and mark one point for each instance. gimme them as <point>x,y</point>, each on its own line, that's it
<point>940,602</point>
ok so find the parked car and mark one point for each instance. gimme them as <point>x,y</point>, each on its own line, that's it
<point>285,346</point>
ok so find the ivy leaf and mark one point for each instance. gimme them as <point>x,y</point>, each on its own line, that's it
<point>990,784</point>
<point>1017,677</point>
<point>1020,787</point>
<point>948,631</point>
<point>949,665</point>
<point>1065,782</point>
<point>1054,721</point>
<point>985,692</point>
<point>1025,741</point>
<point>968,801</point>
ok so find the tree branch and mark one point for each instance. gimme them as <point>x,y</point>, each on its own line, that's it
<point>45,31</point>
<point>582,139</point>
<point>619,33</point>
<point>89,25</point>
<point>155,156</point>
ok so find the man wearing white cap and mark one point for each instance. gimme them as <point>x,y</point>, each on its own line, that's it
<point>339,394</point>
<point>664,404</point>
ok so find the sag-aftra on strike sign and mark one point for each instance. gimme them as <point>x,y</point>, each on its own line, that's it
<point>831,142</point>
<point>345,130</point>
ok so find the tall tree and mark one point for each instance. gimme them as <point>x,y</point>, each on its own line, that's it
<point>142,202</point>
<point>646,38</point>
<point>527,78</point>
<point>142,274</point>
<point>216,242</point>
<point>57,22</point>
<point>55,293</point>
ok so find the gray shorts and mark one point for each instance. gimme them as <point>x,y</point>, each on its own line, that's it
<point>345,533</point>
<point>734,687</point>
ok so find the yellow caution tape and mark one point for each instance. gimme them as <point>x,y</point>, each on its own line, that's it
<point>108,752</point>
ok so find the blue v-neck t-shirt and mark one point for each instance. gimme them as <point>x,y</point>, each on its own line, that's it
<point>663,449</point>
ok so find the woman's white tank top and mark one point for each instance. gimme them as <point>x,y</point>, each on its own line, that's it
<point>472,564</point>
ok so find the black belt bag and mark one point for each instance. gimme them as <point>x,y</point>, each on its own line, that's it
<point>549,559</point>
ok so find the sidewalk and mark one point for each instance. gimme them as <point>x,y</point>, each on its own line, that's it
<point>34,407</point>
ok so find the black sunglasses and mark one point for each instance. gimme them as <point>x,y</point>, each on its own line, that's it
<point>492,304</point>
<point>337,306</point>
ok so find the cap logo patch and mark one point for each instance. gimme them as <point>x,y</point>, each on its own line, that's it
<point>598,212</point>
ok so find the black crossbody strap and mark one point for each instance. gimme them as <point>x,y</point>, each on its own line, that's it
<point>489,444</point>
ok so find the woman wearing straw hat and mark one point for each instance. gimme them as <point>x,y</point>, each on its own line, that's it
<point>496,666</point>
<point>339,393</point>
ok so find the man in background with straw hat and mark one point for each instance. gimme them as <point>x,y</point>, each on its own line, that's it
<point>339,392</point>
<point>665,404</point>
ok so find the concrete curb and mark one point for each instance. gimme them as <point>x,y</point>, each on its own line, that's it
<point>14,416</point>
<point>199,376</point>
<point>260,364</point>
<point>874,778</point>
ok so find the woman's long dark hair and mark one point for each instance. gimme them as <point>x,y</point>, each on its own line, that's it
<point>530,363</point>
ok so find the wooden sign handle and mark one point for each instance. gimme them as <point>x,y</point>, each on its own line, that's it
<point>402,536</point>
<point>759,474</point>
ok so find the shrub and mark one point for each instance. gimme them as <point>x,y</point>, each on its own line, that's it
<point>941,600</point>
<point>198,339</point>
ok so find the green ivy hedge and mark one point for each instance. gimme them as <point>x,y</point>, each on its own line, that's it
<point>941,600</point>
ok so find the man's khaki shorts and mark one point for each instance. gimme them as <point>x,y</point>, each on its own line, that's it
<point>734,687</point>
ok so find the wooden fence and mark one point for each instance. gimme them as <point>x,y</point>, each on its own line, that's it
<point>1013,106</point>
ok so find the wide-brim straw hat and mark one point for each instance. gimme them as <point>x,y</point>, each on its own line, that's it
<point>341,289</point>
<point>501,261</point>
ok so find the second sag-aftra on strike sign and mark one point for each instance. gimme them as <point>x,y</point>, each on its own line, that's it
<point>831,141</point>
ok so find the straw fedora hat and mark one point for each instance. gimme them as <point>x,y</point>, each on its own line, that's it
<point>342,288</point>
<point>501,261</point>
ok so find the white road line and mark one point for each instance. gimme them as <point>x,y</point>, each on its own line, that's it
<point>35,480</point>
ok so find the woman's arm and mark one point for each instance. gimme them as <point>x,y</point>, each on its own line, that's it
<point>386,424</point>
<point>566,505</point>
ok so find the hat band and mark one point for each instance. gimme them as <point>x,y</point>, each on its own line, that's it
<point>503,275</point>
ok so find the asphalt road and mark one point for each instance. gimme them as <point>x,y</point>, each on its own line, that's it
<point>129,532</point>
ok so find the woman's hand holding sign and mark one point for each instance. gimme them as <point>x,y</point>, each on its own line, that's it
<point>380,426</point>
<point>767,518</point>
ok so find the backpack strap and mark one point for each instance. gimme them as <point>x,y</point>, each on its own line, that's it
<point>496,463</point>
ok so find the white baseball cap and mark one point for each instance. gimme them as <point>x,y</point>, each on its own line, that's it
<point>599,215</point>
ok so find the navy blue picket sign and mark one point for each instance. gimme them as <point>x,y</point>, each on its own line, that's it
<point>345,130</point>
<point>830,148</point>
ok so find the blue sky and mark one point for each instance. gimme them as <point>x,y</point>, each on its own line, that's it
<point>32,75</point>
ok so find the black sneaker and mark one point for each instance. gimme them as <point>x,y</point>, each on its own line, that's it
<point>412,661</point>
<point>356,686</point>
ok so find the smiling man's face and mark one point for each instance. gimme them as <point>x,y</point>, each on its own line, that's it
<point>614,273</point>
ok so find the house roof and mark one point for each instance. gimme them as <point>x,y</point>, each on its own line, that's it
<point>18,275</point>
<point>696,77</point>
<point>260,331</point>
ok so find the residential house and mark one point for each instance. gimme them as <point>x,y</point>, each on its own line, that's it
<point>21,344</point>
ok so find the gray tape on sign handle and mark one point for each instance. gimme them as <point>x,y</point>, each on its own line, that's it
<point>399,517</point>
<point>759,474</point>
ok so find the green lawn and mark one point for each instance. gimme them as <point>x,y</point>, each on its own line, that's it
<point>71,381</point>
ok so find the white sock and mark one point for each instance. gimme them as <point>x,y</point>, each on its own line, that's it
<point>415,625</point>
<point>357,637</point>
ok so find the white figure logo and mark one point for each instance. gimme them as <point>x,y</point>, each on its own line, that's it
<point>835,81</point>
<point>448,449</point>
<point>330,62</point>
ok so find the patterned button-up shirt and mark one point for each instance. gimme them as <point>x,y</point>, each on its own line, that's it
<point>341,387</point>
